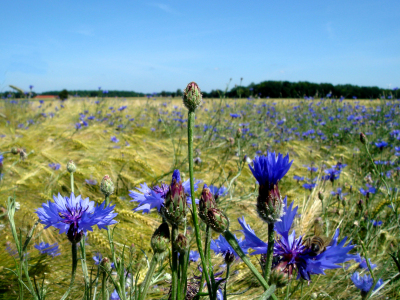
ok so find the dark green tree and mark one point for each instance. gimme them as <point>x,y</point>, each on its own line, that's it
<point>63,95</point>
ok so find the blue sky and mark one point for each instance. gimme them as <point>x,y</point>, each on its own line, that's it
<point>148,46</point>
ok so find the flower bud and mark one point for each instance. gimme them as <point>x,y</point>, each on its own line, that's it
<point>73,235</point>
<point>14,150</point>
<point>238,132</point>
<point>320,196</point>
<point>107,186</point>
<point>22,154</point>
<point>229,257</point>
<point>181,243</point>
<point>206,202</point>
<point>160,239</point>
<point>217,220</point>
<point>175,208</point>
<point>363,138</point>
<point>192,96</point>
<point>106,264</point>
<point>71,168</point>
<point>269,203</point>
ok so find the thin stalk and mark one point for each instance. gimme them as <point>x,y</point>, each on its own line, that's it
<point>104,286</point>
<point>149,275</point>
<point>270,251</point>
<point>194,209</point>
<point>72,183</point>
<point>230,238</point>
<point>174,286</point>
<point>73,273</point>
<point>226,280</point>
<point>183,264</point>
<point>84,267</point>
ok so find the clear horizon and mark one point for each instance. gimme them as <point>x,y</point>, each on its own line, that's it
<point>148,47</point>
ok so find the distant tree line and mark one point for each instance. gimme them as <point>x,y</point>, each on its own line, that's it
<point>271,89</point>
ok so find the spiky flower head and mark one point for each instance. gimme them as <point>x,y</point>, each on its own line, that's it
<point>106,264</point>
<point>75,216</point>
<point>175,208</point>
<point>365,283</point>
<point>206,202</point>
<point>107,186</point>
<point>363,138</point>
<point>160,239</point>
<point>217,220</point>
<point>71,167</point>
<point>192,96</point>
<point>14,150</point>
<point>269,170</point>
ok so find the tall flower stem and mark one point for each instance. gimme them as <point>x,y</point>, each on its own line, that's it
<point>73,273</point>
<point>230,238</point>
<point>104,286</point>
<point>226,280</point>
<point>149,275</point>
<point>191,115</point>
<point>174,286</point>
<point>270,251</point>
<point>72,182</point>
<point>84,268</point>
<point>183,264</point>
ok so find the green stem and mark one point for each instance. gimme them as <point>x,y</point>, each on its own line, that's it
<point>104,286</point>
<point>226,280</point>
<point>174,270</point>
<point>270,251</point>
<point>194,209</point>
<point>74,264</point>
<point>107,198</point>
<point>149,275</point>
<point>230,238</point>
<point>84,267</point>
<point>72,183</point>
<point>183,263</point>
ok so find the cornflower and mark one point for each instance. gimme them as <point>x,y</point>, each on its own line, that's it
<point>46,248</point>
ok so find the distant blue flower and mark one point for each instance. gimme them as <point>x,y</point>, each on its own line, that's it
<point>234,116</point>
<point>381,144</point>
<point>364,284</point>
<point>309,186</point>
<point>298,178</point>
<point>270,169</point>
<point>122,108</point>
<point>370,190</point>
<point>333,174</point>
<point>194,256</point>
<point>98,258</point>
<point>91,181</point>
<point>376,223</point>
<point>54,166</point>
<point>75,215</point>
<point>221,246</point>
<point>218,192</point>
<point>363,262</point>
<point>51,250</point>
<point>114,295</point>
<point>114,139</point>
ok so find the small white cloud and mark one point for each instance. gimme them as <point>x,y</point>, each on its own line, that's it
<point>216,69</point>
<point>164,7</point>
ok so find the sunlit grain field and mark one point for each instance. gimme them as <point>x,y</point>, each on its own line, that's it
<point>142,140</point>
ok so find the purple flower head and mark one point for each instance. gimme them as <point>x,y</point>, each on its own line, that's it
<point>51,250</point>
<point>176,176</point>
<point>332,174</point>
<point>364,284</point>
<point>75,216</point>
<point>363,262</point>
<point>381,144</point>
<point>114,139</point>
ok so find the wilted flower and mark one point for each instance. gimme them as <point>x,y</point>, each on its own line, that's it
<point>75,216</point>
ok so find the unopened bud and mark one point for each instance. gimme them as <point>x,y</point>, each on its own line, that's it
<point>71,168</point>
<point>14,150</point>
<point>320,196</point>
<point>217,220</point>
<point>206,202</point>
<point>269,203</point>
<point>106,264</point>
<point>181,243</point>
<point>229,257</point>
<point>73,235</point>
<point>238,132</point>
<point>160,239</point>
<point>363,138</point>
<point>107,186</point>
<point>192,96</point>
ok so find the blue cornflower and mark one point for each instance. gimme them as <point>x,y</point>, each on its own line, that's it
<point>309,186</point>
<point>114,139</point>
<point>363,262</point>
<point>122,108</point>
<point>381,144</point>
<point>365,283</point>
<point>339,193</point>
<point>154,198</point>
<point>194,256</point>
<point>75,216</point>
<point>290,252</point>
<point>298,178</point>
<point>114,295</point>
<point>270,169</point>
<point>51,250</point>
<point>91,181</point>
<point>98,258</point>
<point>217,192</point>
<point>376,223</point>
<point>332,174</point>
<point>370,190</point>
<point>54,166</point>
<point>234,116</point>
<point>221,246</point>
